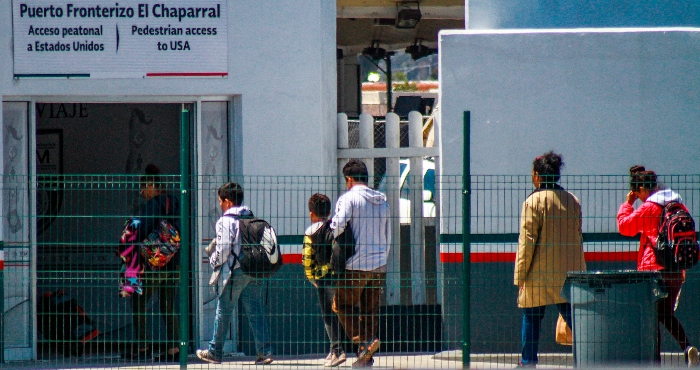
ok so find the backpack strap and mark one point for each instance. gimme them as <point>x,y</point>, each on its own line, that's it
<point>238,217</point>
<point>673,205</point>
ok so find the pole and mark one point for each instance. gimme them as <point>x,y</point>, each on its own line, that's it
<point>389,87</point>
<point>466,244</point>
<point>184,232</point>
<point>2,302</point>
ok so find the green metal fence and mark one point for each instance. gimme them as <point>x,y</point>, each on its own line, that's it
<point>66,250</point>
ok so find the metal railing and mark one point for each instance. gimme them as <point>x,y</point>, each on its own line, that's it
<point>66,250</point>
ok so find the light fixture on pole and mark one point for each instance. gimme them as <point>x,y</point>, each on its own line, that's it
<point>407,14</point>
<point>418,50</point>
<point>374,52</point>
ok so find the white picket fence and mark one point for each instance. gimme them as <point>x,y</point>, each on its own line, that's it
<point>393,152</point>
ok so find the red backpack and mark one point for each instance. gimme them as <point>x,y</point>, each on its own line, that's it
<point>677,245</point>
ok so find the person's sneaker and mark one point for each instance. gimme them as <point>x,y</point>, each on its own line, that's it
<point>206,356</point>
<point>691,356</point>
<point>367,364</point>
<point>365,352</point>
<point>526,366</point>
<point>335,360</point>
<point>264,360</point>
<point>330,354</point>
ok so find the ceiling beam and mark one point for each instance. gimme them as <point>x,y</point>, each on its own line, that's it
<point>428,12</point>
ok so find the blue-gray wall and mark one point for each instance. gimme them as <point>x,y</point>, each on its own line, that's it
<point>501,14</point>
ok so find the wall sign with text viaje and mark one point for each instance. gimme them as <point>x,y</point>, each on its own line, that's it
<point>120,39</point>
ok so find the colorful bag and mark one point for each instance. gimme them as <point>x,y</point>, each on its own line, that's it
<point>161,245</point>
<point>132,269</point>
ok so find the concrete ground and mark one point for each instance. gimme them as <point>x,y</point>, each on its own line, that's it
<point>442,360</point>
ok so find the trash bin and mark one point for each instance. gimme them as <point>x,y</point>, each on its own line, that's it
<point>614,316</point>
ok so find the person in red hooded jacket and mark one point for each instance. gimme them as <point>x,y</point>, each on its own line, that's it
<point>645,221</point>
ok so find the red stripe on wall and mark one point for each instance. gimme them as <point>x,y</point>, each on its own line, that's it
<point>494,257</point>
<point>451,257</point>
<point>611,256</point>
<point>291,258</point>
<point>187,74</point>
<point>482,257</point>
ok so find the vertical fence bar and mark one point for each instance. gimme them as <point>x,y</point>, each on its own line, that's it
<point>466,243</point>
<point>393,264</point>
<point>2,302</point>
<point>415,140</point>
<point>367,142</point>
<point>184,232</point>
<point>343,141</point>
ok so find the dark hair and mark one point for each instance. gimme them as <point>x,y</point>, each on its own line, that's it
<point>152,176</point>
<point>641,178</point>
<point>356,170</point>
<point>232,192</point>
<point>548,167</point>
<point>320,205</point>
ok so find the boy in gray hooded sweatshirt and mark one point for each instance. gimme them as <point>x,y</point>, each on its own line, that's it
<point>368,213</point>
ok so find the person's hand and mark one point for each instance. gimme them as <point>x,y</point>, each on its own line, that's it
<point>315,284</point>
<point>631,197</point>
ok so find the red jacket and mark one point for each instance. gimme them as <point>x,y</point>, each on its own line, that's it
<point>645,221</point>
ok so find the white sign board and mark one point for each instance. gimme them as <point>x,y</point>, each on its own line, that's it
<point>120,39</point>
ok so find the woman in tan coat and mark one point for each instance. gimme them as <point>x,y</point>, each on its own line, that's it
<point>550,245</point>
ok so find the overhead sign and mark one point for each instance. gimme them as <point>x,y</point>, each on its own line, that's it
<point>120,38</point>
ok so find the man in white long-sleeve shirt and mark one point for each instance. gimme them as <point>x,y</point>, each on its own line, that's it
<point>367,212</point>
<point>236,283</point>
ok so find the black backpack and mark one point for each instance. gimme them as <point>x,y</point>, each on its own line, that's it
<point>260,253</point>
<point>322,242</point>
<point>677,244</point>
<point>343,249</point>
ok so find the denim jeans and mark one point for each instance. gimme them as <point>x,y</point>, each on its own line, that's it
<point>532,321</point>
<point>251,292</point>
<point>326,292</point>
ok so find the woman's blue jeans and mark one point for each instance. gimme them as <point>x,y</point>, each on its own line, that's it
<point>251,293</point>
<point>532,321</point>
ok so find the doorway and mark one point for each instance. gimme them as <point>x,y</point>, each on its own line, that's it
<point>89,161</point>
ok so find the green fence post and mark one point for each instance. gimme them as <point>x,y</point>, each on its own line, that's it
<point>466,244</point>
<point>2,302</point>
<point>184,233</point>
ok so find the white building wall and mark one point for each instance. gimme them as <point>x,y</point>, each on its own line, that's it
<point>605,99</point>
<point>281,62</point>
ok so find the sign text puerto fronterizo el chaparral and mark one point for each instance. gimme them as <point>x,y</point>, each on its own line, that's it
<point>126,39</point>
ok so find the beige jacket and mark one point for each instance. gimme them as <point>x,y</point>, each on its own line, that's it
<point>550,244</point>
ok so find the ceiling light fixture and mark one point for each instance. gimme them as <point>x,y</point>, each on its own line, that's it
<point>418,50</point>
<point>374,52</point>
<point>407,14</point>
